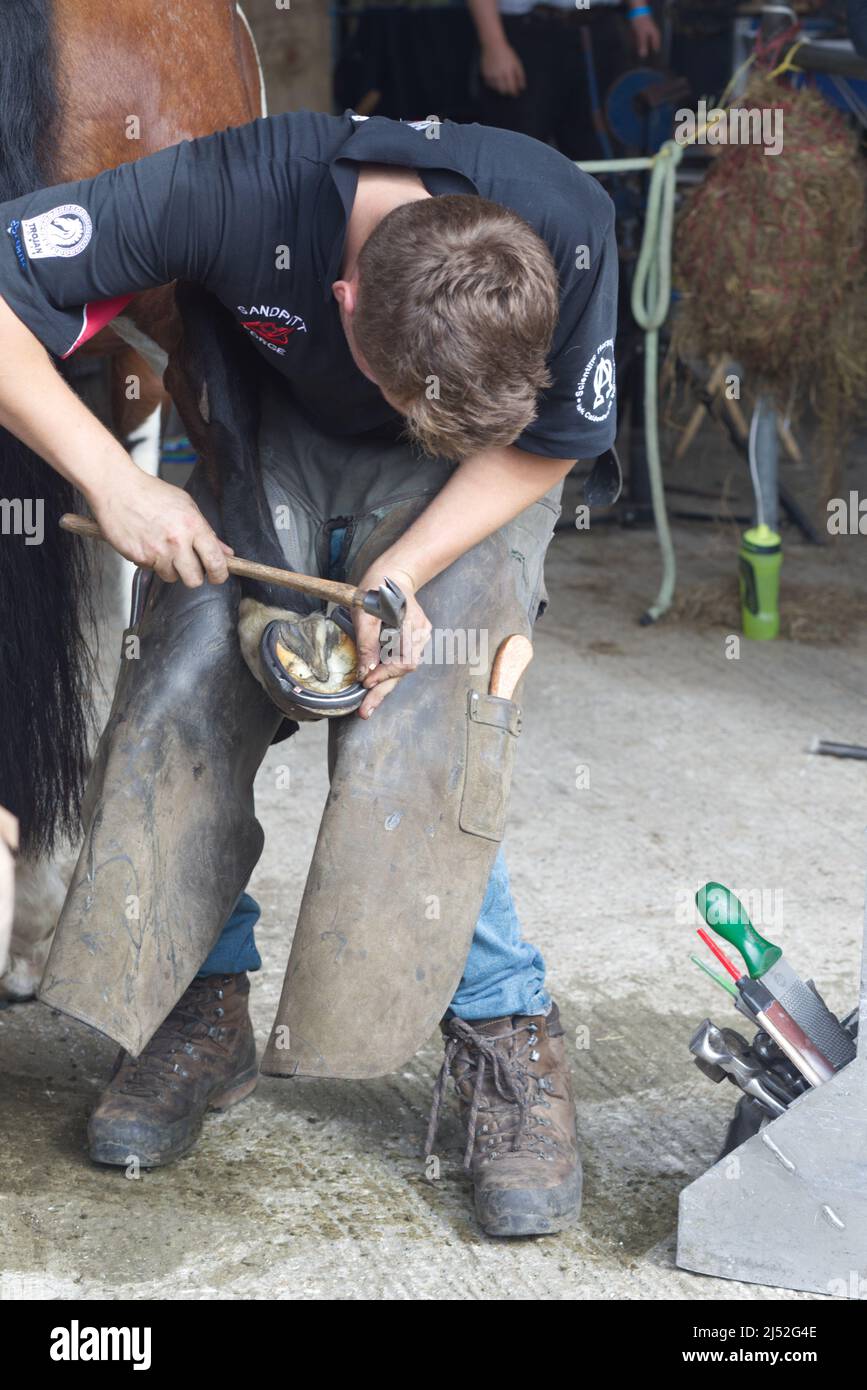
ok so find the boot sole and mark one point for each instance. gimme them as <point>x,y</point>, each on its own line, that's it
<point>115,1154</point>
<point>530,1212</point>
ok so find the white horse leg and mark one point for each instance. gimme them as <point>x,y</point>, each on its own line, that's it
<point>40,888</point>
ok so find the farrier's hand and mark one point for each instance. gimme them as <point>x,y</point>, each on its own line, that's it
<point>402,653</point>
<point>502,69</point>
<point>159,526</point>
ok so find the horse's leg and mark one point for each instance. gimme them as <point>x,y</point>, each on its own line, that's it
<point>40,887</point>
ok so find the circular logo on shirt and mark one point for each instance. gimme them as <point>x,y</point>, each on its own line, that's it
<point>64,231</point>
<point>597,388</point>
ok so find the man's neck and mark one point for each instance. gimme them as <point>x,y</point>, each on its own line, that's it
<point>380,189</point>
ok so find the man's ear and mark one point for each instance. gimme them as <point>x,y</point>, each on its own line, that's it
<point>346,294</point>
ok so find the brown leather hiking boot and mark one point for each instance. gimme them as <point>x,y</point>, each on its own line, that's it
<point>519,1113</point>
<point>202,1057</point>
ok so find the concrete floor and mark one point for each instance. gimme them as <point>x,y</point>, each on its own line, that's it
<point>697,769</point>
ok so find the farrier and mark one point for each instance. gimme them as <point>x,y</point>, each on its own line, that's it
<point>432,309</point>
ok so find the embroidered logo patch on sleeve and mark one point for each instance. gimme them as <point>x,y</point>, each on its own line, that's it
<point>597,389</point>
<point>64,231</point>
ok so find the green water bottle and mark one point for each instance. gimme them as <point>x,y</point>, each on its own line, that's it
<point>759,561</point>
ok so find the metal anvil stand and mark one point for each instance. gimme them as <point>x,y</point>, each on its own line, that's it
<point>789,1207</point>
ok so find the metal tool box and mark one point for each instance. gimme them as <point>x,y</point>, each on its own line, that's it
<point>788,1208</point>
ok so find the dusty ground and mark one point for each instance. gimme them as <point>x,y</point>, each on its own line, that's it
<point>698,768</point>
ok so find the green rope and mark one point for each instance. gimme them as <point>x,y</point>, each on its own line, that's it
<point>651,296</point>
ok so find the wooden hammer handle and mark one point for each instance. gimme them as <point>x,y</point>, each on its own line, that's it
<point>514,655</point>
<point>328,589</point>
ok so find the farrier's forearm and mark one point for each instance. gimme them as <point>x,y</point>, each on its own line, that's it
<point>39,408</point>
<point>483,494</point>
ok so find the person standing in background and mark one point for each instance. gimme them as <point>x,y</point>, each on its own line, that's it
<point>534,65</point>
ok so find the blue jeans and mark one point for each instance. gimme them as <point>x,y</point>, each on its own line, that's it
<point>503,975</point>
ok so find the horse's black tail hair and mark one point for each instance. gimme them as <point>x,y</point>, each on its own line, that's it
<point>45,662</point>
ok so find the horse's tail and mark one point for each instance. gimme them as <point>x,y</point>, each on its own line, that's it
<point>45,665</point>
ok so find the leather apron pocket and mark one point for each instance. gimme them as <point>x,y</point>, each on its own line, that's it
<point>493,726</point>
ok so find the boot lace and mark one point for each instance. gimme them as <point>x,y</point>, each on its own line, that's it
<point>146,1076</point>
<point>475,1056</point>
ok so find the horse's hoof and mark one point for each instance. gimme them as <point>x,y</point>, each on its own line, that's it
<point>306,662</point>
<point>293,687</point>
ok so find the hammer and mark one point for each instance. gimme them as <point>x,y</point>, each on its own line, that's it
<point>387,603</point>
<point>714,1052</point>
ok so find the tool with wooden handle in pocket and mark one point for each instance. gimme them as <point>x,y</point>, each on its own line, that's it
<point>512,658</point>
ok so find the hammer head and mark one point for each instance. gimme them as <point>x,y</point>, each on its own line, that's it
<point>707,1045</point>
<point>387,603</point>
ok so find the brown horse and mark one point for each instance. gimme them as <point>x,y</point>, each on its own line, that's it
<point>164,73</point>
<point>86,86</point>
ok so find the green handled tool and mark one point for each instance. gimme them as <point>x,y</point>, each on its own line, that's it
<point>727,916</point>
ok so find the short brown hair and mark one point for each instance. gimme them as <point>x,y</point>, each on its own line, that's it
<point>458,299</point>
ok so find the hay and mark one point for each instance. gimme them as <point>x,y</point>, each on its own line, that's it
<point>822,615</point>
<point>771,261</point>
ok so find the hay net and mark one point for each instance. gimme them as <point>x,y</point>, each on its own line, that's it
<point>771,260</point>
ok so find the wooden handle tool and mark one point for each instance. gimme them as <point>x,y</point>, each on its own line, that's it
<point>512,658</point>
<point>387,602</point>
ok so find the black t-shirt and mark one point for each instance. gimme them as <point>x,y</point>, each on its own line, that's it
<point>257,215</point>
